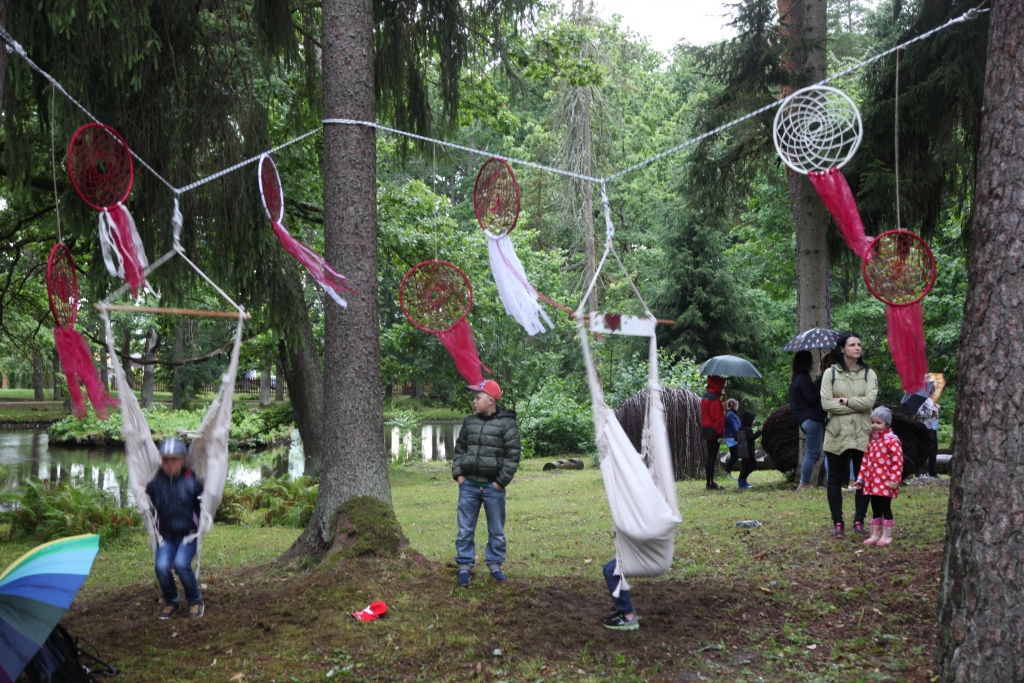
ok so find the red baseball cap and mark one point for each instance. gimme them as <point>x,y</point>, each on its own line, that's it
<point>489,387</point>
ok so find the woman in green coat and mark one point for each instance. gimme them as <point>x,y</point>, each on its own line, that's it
<point>848,392</point>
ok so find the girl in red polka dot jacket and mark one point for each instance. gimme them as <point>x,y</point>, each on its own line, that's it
<point>880,474</point>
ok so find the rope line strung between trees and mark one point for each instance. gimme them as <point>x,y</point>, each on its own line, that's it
<point>13,47</point>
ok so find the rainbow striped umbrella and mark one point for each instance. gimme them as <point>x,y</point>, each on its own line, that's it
<point>35,592</point>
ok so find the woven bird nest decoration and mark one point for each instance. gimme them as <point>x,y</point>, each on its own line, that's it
<point>270,189</point>
<point>100,166</point>
<point>817,128</point>
<point>435,296</point>
<point>496,197</point>
<point>62,286</point>
<point>899,268</point>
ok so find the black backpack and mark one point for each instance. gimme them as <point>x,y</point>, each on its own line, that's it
<point>62,659</point>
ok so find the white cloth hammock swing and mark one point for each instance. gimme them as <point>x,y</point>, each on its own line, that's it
<point>640,485</point>
<point>208,445</point>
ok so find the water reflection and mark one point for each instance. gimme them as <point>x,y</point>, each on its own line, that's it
<point>437,441</point>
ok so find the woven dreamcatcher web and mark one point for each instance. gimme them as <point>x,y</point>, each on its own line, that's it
<point>817,130</point>
<point>436,296</point>
<point>74,353</point>
<point>272,195</point>
<point>496,202</point>
<point>101,170</point>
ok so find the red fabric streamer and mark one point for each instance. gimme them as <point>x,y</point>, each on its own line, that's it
<point>836,196</point>
<point>906,342</point>
<point>76,361</point>
<point>461,344</point>
<point>331,280</point>
<point>124,242</point>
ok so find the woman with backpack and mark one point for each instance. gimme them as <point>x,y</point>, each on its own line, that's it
<point>848,392</point>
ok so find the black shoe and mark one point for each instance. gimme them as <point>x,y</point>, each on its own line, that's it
<point>168,611</point>
<point>712,486</point>
<point>611,616</point>
<point>621,623</point>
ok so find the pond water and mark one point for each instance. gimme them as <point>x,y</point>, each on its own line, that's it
<point>27,453</point>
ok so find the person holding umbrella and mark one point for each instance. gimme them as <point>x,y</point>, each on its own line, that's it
<point>711,413</point>
<point>848,392</point>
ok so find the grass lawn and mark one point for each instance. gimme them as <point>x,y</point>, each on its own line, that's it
<point>780,603</point>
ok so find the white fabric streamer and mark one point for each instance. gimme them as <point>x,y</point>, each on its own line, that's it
<point>107,243</point>
<point>518,296</point>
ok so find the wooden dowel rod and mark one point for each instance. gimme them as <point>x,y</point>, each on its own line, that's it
<point>174,311</point>
<point>660,321</point>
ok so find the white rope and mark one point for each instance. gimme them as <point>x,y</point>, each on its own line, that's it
<point>15,48</point>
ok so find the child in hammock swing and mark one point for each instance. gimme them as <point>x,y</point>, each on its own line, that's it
<point>175,493</point>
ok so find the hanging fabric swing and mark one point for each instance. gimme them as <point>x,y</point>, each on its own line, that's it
<point>208,445</point>
<point>640,485</point>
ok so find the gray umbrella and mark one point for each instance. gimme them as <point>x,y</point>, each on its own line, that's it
<point>814,338</point>
<point>730,366</point>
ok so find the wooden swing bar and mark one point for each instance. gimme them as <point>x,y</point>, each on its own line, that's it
<point>172,311</point>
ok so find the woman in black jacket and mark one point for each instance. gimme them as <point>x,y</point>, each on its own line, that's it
<point>805,402</point>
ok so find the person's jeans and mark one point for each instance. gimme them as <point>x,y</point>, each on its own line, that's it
<point>471,497</point>
<point>177,555</point>
<point>623,603</point>
<point>815,433</point>
<point>838,470</point>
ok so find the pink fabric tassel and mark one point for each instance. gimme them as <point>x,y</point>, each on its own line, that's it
<point>331,280</point>
<point>836,196</point>
<point>124,242</point>
<point>76,361</point>
<point>461,344</point>
<point>906,342</point>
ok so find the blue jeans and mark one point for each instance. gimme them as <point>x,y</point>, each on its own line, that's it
<point>177,555</point>
<point>471,497</point>
<point>815,434</point>
<point>623,603</point>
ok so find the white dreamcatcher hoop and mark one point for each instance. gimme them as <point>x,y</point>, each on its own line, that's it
<point>817,128</point>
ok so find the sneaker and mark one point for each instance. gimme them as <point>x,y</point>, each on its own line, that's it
<point>611,616</point>
<point>498,575</point>
<point>712,486</point>
<point>197,610</point>
<point>464,577</point>
<point>168,611</point>
<point>744,485</point>
<point>838,531</point>
<point>620,623</point>
<point>859,528</point>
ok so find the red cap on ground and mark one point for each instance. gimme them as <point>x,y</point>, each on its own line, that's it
<point>374,610</point>
<point>489,387</point>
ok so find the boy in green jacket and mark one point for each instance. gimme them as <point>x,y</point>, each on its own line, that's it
<point>485,461</point>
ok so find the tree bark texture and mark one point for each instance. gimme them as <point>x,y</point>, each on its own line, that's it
<point>354,462</point>
<point>149,355</point>
<point>279,382</point>
<point>58,375</point>
<point>37,377</point>
<point>104,376</point>
<point>981,603</point>
<point>179,353</point>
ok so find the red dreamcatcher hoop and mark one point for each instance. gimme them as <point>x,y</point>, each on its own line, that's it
<point>74,353</point>
<point>496,197</point>
<point>436,296</point>
<point>102,172</point>
<point>899,268</point>
<point>272,196</point>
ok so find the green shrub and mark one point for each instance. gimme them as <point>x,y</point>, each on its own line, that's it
<point>553,423</point>
<point>43,512</point>
<point>280,501</point>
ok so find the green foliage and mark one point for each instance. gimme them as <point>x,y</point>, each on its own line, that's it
<point>555,423</point>
<point>673,371</point>
<point>43,512</point>
<point>250,428</point>
<point>280,501</point>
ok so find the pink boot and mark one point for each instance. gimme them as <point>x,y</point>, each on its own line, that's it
<point>876,532</point>
<point>886,534</point>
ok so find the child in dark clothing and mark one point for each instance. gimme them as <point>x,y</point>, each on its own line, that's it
<point>174,492</point>
<point>745,438</point>
<point>624,618</point>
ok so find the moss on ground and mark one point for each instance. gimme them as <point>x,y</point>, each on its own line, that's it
<point>366,527</point>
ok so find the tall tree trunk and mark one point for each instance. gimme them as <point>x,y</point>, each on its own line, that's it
<point>126,353</point>
<point>265,397</point>
<point>148,356</point>
<point>279,381</point>
<point>58,376</point>
<point>981,603</point>
<point>37,376</point>
<point>177,400</point>
<point>104,375</point>
<point>354,462</point>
